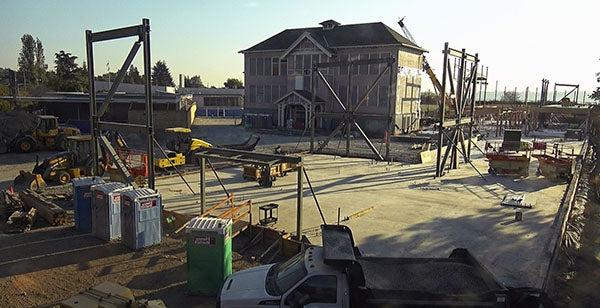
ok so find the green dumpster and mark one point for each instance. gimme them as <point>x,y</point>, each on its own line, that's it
<point>209,255</point>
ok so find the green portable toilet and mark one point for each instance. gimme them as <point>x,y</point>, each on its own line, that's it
<point>209,254</point>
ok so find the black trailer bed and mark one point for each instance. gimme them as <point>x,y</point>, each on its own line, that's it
<point>434,276</point>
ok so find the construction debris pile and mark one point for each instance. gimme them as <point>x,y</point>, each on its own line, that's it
<point>22,209</point>
<point>13,122</point>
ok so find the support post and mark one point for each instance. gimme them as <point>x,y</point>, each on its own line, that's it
<point>202,184</point>
<point>299,200</point>
<point>314,89</point>
<point>149,105</point>
<point>348,109</point>
<point>439,166</point>
<point>92,91</point>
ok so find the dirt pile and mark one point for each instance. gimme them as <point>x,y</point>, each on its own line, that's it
<point>13,122</point>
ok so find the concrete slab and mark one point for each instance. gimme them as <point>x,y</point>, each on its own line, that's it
<point>413,213</point>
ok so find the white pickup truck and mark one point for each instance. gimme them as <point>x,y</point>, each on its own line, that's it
<point>336,275</point>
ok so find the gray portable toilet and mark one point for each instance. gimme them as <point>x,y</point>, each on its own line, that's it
<point>82,201</point>
<point>106,210</point>
<point>141,218</point>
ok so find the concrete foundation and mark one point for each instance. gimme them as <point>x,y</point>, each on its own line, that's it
<point>412,213</point>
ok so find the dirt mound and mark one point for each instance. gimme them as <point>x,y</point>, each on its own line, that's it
<point>13,122</point>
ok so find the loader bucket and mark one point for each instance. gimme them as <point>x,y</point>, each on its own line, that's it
<point>27,180</point>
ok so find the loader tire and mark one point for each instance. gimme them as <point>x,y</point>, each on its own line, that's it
<point>64,177</point>
<point>25,145</point>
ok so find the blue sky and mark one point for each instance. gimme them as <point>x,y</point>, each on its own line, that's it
<point>521,41</point>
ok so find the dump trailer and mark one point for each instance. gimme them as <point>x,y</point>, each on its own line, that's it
<point>338,275</point>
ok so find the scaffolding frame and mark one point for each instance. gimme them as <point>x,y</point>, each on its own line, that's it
<point>574,88</point>
<point>142,32</point>
<point>349,113</point>
<point>463,88</point>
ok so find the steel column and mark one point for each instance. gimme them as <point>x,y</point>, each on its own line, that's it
<point>149,105</point>
<point>202,184</point>
<point>92,107</point>
<point>439,166</point>
<point>299,200</point>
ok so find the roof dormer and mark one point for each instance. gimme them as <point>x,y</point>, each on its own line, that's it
<point>329,24</point>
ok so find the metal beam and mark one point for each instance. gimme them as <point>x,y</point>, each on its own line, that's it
<point>119,78</point>
<point>259,158</point>
<point>114,34</point>
<point>299,200</point>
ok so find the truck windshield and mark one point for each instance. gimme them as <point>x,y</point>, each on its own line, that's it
<point>285,275</point>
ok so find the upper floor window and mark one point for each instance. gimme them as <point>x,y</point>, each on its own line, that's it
<point>374,68</point>
<point>268,67</point>
<point>252,66</point>
<point>363,68</point>
<point>260,66</point>
<point>283,64</point>
<point>275,64</point>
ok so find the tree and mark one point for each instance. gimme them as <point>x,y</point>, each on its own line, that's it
<point>133,76</point>
<point>233,83</point>
<point>510,96</point>
<point>69,76</point>
<point>193,82</point>
<point>26,59</point>
<point>40,62</point>
<point>161,75</point>
<point>596,94</point>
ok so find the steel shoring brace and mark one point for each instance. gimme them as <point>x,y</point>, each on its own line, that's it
<point>218,178</point>
<point>463,154</point>
<point>314,196</point>
<point>174,167</point>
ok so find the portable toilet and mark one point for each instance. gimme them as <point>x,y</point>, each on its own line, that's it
<point>141,213</point>
<point>82,201</point>
<point>106,210</point>
<point>209,254</point>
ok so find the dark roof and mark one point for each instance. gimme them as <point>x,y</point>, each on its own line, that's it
<point>368,34</point>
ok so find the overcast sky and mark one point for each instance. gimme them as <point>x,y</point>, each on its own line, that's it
<point>521,41</point>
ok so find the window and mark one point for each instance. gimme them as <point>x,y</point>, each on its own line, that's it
<point>344,68</point>
<point>343,94</point>
<point>268,94</point>
<point>268,67</point>
<point>384,55</point>
<point>260,94</point>
<point>374,68</point>
<point>260,66</point>
<point>275,64</point>
<point>282,90</point>
<point>284,66</point>
<point>307,64</point>
<point>354,95</point>
<point>288,273</point>
<point>275,92</point>
<point>354,67</point>
<point>383,96</point>
<point>298,64</point>
<point>252,98</point>
<point>364,68</point>
<point>252,66</point>
<point>372,101</point>
<point>315,289</point>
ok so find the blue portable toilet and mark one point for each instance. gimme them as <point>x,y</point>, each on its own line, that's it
<point>82,202</point>
<point>141,218</point>
<point>106,210</point>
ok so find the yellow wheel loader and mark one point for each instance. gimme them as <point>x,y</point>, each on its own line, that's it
<point>47,134</point>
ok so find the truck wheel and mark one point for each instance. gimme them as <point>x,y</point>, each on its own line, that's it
<point>64,177</point>
<point>25,145</point>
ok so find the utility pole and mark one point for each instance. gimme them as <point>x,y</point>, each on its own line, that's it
<point>496,92</point>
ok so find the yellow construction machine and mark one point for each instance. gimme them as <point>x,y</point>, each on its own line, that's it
<point>60,167</point>
<point>181,142</point>
<point>46,134</point>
